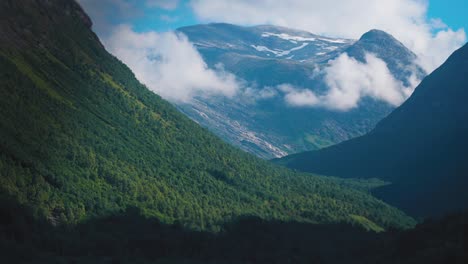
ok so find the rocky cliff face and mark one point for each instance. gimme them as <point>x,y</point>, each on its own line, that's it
<point>43,17</point>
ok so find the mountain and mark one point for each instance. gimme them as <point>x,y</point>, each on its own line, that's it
<point>421,146</point>
<point>259,120</point>
<point>224,40</point>
<point>81,138</point>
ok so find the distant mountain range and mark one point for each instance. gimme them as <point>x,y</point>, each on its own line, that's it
<point>265,57</point>
<point>422,147</point>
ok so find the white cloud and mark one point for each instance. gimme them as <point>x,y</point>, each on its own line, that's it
<point>251,94</point>
<point>299,97</point>
<point>169,64</point>
<point>163,4</point>
<point>405,19</point>
<point>349,81</point>
<point>442,44</point>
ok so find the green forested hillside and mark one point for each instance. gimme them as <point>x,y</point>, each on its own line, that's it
<point>81,137</point>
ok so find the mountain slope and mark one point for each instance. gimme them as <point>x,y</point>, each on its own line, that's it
<point>260,120</point>
<point>421,147</point>
<point>81,137</point>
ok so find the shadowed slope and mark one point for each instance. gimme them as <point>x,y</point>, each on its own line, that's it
<point>421,147</point>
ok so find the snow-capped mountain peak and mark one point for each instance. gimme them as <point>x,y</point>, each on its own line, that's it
<point>269,56</point>
<point>265,41</point>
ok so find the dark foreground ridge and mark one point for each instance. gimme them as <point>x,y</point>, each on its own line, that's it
<point>421,147</point>
<point>130,237</point>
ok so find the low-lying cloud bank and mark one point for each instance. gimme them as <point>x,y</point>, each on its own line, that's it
<point>349,81</point>
<point>168,64</point>
<point>172,67</point>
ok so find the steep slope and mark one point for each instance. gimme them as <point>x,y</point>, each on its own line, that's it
<point>261,121</point>
<point>81,137</point>
<point>421,147</point>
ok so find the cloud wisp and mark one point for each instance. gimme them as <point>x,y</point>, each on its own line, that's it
<point>168,64</point>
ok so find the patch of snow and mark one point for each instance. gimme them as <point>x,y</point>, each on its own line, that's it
<point>265,49</point>
<point>331,48</point>
<point>287,37</point>
<point>278,53</point>
<point>340,41</point>
<point>286,52</point>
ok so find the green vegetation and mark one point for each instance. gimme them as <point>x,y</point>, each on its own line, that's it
<point>130,237</point>
<point>80,137</point>
<point>365,223</point>
<point>317,141</point>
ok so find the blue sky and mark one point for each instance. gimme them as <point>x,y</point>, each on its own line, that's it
<point>453,12</point>
<point>160,19</point>
<point>145,17</point>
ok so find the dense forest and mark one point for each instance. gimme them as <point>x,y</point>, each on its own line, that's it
<point>80,137</point>
<point>130,237</point>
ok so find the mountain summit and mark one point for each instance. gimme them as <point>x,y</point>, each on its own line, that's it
<point>399,59</point>
<point>377,35</point>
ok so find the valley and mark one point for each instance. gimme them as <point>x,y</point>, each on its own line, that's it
<point>96,167</point>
